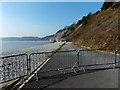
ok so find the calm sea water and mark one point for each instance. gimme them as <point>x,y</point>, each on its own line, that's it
<point>6,46</point>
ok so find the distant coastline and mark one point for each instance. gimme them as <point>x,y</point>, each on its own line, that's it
<point>46,38</point>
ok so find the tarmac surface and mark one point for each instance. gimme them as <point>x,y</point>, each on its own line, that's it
<point>102,76</point>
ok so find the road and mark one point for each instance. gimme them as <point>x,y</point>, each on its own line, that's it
<point>93,77</point>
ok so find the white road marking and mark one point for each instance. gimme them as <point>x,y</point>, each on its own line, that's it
<point>33,74</point>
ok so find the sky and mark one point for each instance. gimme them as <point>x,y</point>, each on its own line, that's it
<point>40,19</point>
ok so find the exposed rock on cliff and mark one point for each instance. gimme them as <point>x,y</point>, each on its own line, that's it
<point>63,33</point>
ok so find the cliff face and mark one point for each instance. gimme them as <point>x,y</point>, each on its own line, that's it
<point>58,36</point>
<point>98,30</point>
<point>63,33</point>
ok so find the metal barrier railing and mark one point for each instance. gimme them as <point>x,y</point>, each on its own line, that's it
<point>58,61</point>
<point>98,57</point>
<point>12,67</point>
<point>17,66</point>
<point>36,59</point>
<point>64,60</point>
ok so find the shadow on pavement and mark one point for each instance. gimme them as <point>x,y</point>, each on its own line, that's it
<point>47,81</point>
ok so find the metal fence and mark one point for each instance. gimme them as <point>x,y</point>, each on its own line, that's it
<point>36,59</point>
<point>72,60</point>
<point>59,61</point>
<point>98,57</point>
<point>12,67</point>
<point>16,66</point>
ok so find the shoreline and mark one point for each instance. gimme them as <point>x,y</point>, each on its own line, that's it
<point>41,48</point>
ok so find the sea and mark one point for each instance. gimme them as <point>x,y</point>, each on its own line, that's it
<point>7,46</point>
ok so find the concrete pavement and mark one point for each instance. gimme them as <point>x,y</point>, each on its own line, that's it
<point>101,78</point>
<point>98,79</point>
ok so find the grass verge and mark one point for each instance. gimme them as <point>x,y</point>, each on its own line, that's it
<point>103,51</point>
<point>54,51</point>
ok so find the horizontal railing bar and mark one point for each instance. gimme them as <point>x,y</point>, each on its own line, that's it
<point>53,70</point>
<point>96,64</point>
<point>75,67</point>
<point>14,55</point>
<point>58,52</point>
<point>53,52</point>
<point>99,50</point>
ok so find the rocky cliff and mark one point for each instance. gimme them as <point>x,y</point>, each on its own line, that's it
<point>63,33</point>
<point>97,30</point>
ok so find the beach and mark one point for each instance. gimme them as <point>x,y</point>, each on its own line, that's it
<point>41,48</point>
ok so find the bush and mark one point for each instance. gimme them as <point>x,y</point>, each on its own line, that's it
<point>86,19</point>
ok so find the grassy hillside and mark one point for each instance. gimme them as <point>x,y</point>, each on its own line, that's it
<point>99,30</point>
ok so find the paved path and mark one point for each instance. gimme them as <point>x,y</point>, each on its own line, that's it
<point>95,78</point>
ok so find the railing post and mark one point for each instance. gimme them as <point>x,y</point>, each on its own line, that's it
<point>36,76</point>
<point>28,65</point>
<point>78,58</point>
<point>116,52</point>
<point>81,63</point>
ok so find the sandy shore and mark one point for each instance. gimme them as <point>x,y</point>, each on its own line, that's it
<point>42,48</point>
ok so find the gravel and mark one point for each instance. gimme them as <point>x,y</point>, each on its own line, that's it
<point>42,48</point>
